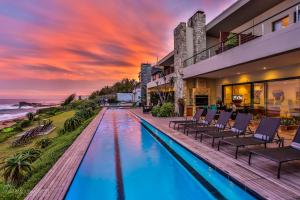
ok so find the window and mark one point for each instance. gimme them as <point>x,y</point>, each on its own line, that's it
<point>281,24</point>
<point>297,17</point>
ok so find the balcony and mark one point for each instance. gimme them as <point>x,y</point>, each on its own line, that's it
<point>161,81</point>
<point>272,25</point>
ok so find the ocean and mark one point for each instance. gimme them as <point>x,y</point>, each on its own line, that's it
<point>9,108</point>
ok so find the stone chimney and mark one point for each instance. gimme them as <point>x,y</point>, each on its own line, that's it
<point>198,23</point>
<point>180,54</point>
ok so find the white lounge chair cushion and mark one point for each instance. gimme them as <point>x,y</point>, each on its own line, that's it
<point>219,125</point>
<point>261,136</point>
<point>235,130</point>
<point>204,122</point>
<point>295,145</point>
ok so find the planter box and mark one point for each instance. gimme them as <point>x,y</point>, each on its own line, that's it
<point>288,128</point>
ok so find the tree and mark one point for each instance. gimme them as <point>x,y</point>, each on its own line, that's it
<point>164,96</point>
<point>30,116</point>
<point>68,100</point>
<point>15,169</point>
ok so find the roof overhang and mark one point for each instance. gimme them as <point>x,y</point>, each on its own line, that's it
<point>237,14</point>
<point>168,60</point>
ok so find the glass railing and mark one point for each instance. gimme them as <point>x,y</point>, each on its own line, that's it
<point>276,22</point>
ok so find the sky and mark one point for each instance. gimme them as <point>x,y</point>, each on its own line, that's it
<point>51,48</point>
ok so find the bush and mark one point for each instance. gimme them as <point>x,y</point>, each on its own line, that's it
<point>166,110</point>
<point>31,154</point>
<point>43,143</point>
<point>15,169</point>
<point>30,116</point>
<point>25,123</point>
<point>155,111</point>
<point>72,123</point>
<point>84,114</point>
<point>7,130</point>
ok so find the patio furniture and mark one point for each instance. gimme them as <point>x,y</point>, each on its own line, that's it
<point>239,128</point>
<point>282,154</point>
<point>209,117</point>
<point>220,125</point>
<point>265,133</point>
<point>195,119</point>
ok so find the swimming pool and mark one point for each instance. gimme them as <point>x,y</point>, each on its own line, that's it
<point>130,159</point>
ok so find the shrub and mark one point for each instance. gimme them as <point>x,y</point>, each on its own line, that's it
<point>16,168</point>
<point>31,154</point>
<point>25,123</point>
<point>43,143</point>
<point>155,111</point>
<point>71,124</point>
<point>84,114</point>
<point>231,40</point>
<point>30,116</point>
<point>7,130</point>
<point>166,110</point>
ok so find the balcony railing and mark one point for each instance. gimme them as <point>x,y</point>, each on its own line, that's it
<point>251,33</point>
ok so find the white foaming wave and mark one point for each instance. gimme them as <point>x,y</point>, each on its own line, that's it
<point>4,117</point>
<point>12,107</point>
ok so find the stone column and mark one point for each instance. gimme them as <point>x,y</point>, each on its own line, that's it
<point>180,54</point>
<point>197,22</point>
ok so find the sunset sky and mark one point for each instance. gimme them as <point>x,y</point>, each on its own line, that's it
<point>51,48</point>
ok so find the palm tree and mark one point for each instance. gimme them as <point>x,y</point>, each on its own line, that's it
<point>15,169</point>
<point>30,116</point>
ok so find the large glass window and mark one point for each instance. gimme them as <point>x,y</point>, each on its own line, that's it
<point>227,95</point>
<point>284,98</point>
<point>241,95</point>
<point>259,98</point>
<point>281,24</point>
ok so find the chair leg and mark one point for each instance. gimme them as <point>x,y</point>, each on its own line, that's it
<point>213,142</point>
<point>196,135</point>
<point>201,137</point>
<point>265,145</point>
<point>236,152</point>
<point>219,145</point>
<point>278,170</point>
<point>249,161</point>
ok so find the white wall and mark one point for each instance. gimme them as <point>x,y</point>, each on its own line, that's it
<point>127,97</point>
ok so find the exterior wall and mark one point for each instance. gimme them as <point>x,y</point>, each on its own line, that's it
<point>180,54</point>
<point>145,78</point>
<point>197,23</point>
<point>267,26</point>
<point>285,72</point>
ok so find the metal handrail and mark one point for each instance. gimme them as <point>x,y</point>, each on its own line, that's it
<point>237,35</point>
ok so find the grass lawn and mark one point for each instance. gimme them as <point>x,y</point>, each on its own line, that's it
<point>47,159</point>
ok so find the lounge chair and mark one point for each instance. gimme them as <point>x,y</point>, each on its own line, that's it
<point>281,154</point>
<point>209,117</point>
<point>195,119</point>
<point>239,128</point>
<point>265,133</point>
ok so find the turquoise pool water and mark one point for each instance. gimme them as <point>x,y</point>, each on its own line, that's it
<point>130,159</point>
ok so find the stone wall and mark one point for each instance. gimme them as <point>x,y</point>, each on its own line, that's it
<point>180,54</point>
<point>145,77</point>
<point>197,22</point>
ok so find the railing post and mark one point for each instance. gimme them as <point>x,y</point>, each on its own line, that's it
<point>297,13</point>
<point>209,53</point>
<point>262,29</point>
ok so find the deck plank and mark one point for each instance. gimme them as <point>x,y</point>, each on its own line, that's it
<point>259,177</point>
<point>55,183</point>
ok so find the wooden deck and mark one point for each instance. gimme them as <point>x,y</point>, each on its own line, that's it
<point>55,183</point>
<point>259,177</point>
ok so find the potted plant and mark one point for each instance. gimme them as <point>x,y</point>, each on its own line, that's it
<point>231,41</point>
<point>180,103</point>
<point>288,124</point>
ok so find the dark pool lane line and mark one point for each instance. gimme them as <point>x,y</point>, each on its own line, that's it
<point>198,176</point>
<point>118,163</point>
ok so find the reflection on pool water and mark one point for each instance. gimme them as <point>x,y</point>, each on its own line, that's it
<point>125,160</point>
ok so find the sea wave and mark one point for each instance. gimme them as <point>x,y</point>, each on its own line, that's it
<point>4,117</point>
<point>13,107</point>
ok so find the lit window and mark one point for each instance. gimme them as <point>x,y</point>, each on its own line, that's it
<point>281,24</point>
<point>297,17</point>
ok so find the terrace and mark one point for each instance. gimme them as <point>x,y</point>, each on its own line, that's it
<point>259,177</point>
<point>265,33</point>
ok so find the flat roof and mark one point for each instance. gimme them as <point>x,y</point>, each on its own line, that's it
<point>167,60</point>
<point>237,14</point>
